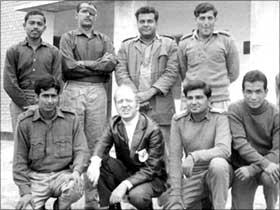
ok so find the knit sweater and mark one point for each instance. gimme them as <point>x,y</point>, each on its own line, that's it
<point>255,134</point>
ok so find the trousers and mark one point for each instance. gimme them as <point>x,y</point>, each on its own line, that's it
<point>243,192</point>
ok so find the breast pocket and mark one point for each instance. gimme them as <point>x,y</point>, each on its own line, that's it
<point>63,146</point>
<point>37,149</point>
<point>193,58</point>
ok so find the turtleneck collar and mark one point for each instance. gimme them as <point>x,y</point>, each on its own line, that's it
<point>256,111</point>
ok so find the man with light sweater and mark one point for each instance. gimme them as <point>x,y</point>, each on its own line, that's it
<point>209,55</point>
<point>254,125</point>
<point>204,136</point>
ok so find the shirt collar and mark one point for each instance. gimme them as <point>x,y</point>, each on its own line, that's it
<point>26,43</point>
<point>78,31</point>
<point>195,34</point>
<point>132,122</point>
<point>138,38</point>
<point>206,117</point>
<point>38,116</point>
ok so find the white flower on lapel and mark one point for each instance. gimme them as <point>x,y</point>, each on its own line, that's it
<point>142,155</point>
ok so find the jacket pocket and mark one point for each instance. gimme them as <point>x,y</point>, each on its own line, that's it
<point>37,149</point>
<point>63,146</point>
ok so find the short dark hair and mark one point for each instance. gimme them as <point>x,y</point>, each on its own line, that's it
<point>197,84</point>
<point>45,83</point>
<point>147,10</point>
<point>203,8</point>
<point>34,12</point>
<point>254,76</point>
<point>78,7</point>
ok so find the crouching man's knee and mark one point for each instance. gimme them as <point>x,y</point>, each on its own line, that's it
<point>219,167</point>
<point>266,180</point>
<point>140,198</point>
<point>70,194</point>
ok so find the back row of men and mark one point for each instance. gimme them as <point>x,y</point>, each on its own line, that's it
<point>148,65</point>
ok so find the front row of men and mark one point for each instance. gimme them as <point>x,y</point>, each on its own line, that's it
<point>209,152</point>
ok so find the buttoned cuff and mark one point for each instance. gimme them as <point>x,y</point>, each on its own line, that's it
<point>128,184</point>
<point>24,189</point>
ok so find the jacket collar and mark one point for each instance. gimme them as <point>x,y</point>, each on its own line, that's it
<point>206,117</point>
<point>78,31</point>
<point>156,43</point>
<point>195,34</point>
<point>37,115</point>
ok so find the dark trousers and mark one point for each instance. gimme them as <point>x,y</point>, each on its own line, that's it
<point>112,173</point>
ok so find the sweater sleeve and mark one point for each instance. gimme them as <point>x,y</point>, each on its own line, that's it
<point>240,142</point>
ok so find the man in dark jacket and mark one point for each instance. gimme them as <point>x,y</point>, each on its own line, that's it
<point>138,169</point>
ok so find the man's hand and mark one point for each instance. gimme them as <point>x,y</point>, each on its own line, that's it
<point>24,201</point>
<point>187,166</point>
<point>273,171</point>
<point>93,171</point>
<point>80,63</point>
<point>242,173</point>
<point>118,193</point>
<point>146,95</point>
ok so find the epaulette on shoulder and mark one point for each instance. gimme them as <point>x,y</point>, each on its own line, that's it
<point>26,114</point>
<point>68,110</point>
<point>125,40</point>
<point>181,114</point>
<point>217,110</point>
<point>186,36</point>
<point>225,33</point>
<point>168,36</point>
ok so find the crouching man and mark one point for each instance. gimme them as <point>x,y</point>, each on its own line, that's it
<point>204,136</point>
<point>50,151</point>
<point>138,169</point>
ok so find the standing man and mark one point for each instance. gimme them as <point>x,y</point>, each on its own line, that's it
<point>139,169</point>
<point>149,63</point>
<point>204,137</point>
<point>210,56</point>
<point>50,151</point>
<point>254,125</point>
<point>88,60</point>
<point>26,62</point>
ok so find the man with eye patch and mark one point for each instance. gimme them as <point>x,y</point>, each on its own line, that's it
<point>88,61</point>
<point>209,55</point>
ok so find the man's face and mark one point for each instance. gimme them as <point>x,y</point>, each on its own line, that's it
<point>197,101</point>
<point>254,93</point>
<point>86,15</point>
<point>147,25</point>
<point>48,100</point>
<point>34,26</point>
<point>205,23</point>
<point>126,104</point>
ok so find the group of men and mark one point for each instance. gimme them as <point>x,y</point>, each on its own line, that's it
<point>192,156</point>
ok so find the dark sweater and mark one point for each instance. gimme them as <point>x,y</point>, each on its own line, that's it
<point>255,134</point>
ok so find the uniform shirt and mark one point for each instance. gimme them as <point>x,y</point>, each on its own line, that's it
<point>76,46</point>
<point>23,66</point>
<point>215,61</point>
<point>205,140</point>
<point>48,147</point>
<point>255,134</point>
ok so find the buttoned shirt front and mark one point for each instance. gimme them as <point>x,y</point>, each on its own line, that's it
<point>48,147</point>
<point>23,66</point>
<point>215,61</point>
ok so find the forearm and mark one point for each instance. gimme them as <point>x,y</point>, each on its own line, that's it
<point>209,154</point>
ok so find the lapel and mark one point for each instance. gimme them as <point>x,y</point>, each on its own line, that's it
<point>138,46</point>
<point>122,132</point>
<point>138,134</point>
<point>156,46</point>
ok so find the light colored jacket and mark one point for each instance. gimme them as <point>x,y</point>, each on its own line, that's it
<point>164,73</point>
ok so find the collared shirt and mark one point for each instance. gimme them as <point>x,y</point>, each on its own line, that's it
<point>205,140</point>
<point>23,66</point>
<point>48,147</point>
<point>130,128</point>
<point>77,46</point>
<point>215,60</point>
